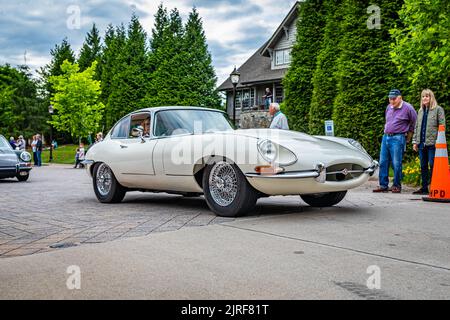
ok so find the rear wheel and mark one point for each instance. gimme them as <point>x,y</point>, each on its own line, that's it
<point>227,192</point>
<point>324,199</point>
<point>106,187</point>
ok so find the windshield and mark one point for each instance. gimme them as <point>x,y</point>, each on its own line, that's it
<point>178,122</point>
<point>4,143</point>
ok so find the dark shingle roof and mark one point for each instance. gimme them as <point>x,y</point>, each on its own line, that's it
<point>254,70</point>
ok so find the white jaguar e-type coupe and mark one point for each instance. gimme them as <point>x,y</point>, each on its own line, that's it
<point>193,151</point>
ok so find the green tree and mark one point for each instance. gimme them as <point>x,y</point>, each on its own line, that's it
<point>76,100</point>
<point>297,82</point>
<point>21,110</point>
<point>168,61</point>
<point>199,79</point>
<point>130,72</point>
<point>91,49</point>
<point>365,73</point>
<point>324,80</point>
<point>421,49</point>
<point>59,54</point>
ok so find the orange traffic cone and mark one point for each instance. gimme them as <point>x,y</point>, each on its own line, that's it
<point>440,181</point>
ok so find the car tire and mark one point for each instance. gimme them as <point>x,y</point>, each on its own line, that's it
<point>227,191</point>
<point>106,187</point>
<point>22,178</point>
<point>324,199</point>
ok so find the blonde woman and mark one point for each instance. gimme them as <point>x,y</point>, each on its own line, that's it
<point>430,117</point>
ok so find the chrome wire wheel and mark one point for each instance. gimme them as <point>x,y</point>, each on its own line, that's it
<point>223,184</point>
<point>104,179</point>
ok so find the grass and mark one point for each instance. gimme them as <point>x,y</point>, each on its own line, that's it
<point>62,154</point>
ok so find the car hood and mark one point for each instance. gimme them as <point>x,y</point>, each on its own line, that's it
<point>7,157</point>
<point>332,147</point>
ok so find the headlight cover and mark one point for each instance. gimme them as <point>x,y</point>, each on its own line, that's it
<point>267,150</point>
<point>276,154</point>
<point>25,156</point>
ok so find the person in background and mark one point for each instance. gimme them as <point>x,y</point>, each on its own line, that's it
<point>99,137</point>
<point>39,150</point>
<point>33,148</point>
<point>398,131</point>
<point>267,98</point>
<point>12,142</point>
<point>79,157</point>
<point>430,117</point>
<point>279,119</point>
<point>21,144</point>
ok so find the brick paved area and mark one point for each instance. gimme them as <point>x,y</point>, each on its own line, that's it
<point>57,207</point>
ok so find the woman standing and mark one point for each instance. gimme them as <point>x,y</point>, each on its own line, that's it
<point>430,117</point>
<point>33,147</point>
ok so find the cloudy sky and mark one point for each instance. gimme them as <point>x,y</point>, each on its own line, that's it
<point>235,29</point>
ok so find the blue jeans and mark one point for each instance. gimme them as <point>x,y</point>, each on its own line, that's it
<point>392,149</point>
<point>38,157</point>
<point>426,155</point>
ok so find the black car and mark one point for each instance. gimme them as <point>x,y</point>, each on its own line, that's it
<point>13,163</point>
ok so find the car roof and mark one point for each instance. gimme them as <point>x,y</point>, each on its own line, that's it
<point>155,109</point>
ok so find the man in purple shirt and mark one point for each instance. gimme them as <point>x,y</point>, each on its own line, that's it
<point>400,123</point>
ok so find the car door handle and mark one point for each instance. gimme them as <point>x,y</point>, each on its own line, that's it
<point>123,147</point>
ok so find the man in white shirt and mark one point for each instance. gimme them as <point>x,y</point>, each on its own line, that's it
<point>279,119</point>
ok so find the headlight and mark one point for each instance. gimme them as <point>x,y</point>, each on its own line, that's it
<point>25,156</point>
<point>267,150</point>
<point>274,153</point>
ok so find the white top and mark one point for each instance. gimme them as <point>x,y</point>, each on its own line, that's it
<point>279,122</point>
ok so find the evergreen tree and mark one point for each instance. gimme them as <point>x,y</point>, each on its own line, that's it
<point>168,61</point>
<point>199,81</point>
<point>112,64</point>
<point>59,54</point>
<point>129,73</point>
<point>365,73</point>
<point>91,49</point>
<point>297,82</point>
<point>324,80</point>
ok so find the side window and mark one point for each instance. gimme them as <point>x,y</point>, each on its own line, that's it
<point>121,129</point>
<point>140,121</point>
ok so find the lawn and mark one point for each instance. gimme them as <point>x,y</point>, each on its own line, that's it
<point>62,154</point>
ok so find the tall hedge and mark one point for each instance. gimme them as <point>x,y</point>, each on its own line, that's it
<point>365,73</point>
<point>324,78</point>
<point>297,82</point>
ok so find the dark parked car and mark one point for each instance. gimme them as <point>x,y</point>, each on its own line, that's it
<point>13,163</point>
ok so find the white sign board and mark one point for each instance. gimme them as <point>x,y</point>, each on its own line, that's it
<point>329,128</point>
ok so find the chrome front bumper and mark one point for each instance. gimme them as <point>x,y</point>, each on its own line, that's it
<point>319,173</point>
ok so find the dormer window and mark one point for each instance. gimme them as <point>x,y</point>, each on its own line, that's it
<point>282,57</point>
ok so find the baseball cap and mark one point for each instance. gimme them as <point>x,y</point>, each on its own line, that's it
<point>394,93</point>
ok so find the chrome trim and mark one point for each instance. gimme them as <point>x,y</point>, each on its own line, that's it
<point>87,162</point>
<point>285,175</point>
<point>371,170</point>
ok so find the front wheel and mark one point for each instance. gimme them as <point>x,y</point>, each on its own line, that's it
<point>324,199</point>
<point>106,187</point>
<point>227,192</point>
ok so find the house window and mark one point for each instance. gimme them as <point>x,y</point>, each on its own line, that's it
<point>283,57</point>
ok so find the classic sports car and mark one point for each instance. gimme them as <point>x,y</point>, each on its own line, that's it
<point>13,163</point>
<point>193,151</point>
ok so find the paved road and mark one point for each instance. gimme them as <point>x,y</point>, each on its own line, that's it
<point>285,250</point>
<point>57,207</point>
